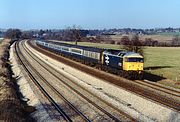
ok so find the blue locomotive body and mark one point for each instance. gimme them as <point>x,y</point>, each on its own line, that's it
<point>114,58</point>
<point>113,61</point>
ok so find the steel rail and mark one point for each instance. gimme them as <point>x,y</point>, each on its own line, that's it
<point>107,113</point>
<point>58,108</point>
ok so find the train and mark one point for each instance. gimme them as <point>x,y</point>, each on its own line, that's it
<point>124,63</point>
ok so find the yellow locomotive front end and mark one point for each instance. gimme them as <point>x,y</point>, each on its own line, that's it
<point>133,62</point>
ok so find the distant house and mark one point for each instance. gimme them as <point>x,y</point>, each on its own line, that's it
<point>177,30</point>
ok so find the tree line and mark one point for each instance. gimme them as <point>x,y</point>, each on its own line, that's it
<point>175,42</point>
<point>76,34</point>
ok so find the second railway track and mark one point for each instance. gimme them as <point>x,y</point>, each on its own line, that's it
<point>151,91</point>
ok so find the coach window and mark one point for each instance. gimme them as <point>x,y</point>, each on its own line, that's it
<point>86,53</point>
<point>76,51</point>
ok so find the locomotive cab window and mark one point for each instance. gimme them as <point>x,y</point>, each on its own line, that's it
<point>134,60</point>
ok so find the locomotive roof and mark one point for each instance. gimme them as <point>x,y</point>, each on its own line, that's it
<point>133,54</point>
<point>122,53</point>
<point>113,52</point>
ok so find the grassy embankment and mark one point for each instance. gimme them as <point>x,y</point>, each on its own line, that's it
<point>163,61</point>
<point>11,107</point>
<point>1,41</point>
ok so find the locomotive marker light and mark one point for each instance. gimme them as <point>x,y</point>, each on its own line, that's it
<point>120,64</point>
<point>107,60</point>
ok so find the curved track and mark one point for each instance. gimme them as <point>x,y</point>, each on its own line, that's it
<point>31,73</point>
<point>79,90</point>
<point>152,91</point>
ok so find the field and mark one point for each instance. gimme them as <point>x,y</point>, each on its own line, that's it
<point>163,61</point>
<point>98,45</point>
<point>163,37</point>
<point>170,33</point>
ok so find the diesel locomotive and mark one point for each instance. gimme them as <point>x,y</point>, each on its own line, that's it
<point>121,62</point>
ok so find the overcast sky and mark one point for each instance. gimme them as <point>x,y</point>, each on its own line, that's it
<point>89,14</point>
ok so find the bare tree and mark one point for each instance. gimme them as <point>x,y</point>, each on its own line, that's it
<point>134,44</point>
<point>13,33</point>
<point>125,40</point>
<point>176,41</point>
<point>74,33</point>
<point>98,39</point>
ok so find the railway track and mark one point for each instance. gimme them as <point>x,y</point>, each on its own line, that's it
<point>79,90</point>
<point>155,92</point>
<point>34,78</point>
<point>159,87</point>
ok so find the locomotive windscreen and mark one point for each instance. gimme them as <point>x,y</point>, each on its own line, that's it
<point>134,60</point>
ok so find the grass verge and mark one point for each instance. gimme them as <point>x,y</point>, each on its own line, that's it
<point>12,108</point>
